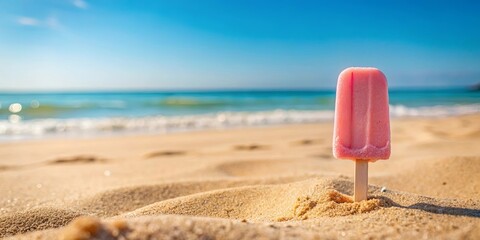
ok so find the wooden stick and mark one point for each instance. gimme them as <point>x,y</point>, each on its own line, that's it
<point>361,180</point>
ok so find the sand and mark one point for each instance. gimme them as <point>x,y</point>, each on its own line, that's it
<point>278,182</point>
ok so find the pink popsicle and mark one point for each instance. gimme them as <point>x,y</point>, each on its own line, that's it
<point>362,124</point>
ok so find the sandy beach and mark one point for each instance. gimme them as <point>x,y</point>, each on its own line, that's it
<point>276,182</point>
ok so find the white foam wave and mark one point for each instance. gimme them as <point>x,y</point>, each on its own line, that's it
<point>433,111</point>
<point>162,124</point>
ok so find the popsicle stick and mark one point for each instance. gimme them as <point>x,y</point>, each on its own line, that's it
<point>361,180</point>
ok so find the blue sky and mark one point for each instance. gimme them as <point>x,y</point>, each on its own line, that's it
<point>135,45</point>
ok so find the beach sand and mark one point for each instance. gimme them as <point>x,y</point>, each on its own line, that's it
<point>278,182</point>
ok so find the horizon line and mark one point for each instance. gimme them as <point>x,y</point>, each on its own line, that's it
<point>199,90</point>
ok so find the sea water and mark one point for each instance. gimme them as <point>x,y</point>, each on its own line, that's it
<point>39,115</point>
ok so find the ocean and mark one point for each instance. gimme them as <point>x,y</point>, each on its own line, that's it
<point>40,115</point>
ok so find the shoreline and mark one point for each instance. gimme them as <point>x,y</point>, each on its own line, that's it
<point>134,133</point>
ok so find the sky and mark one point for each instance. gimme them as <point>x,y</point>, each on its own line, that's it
<point>166,45</point>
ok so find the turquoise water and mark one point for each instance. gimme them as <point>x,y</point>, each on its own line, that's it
<point>39,114</point>
<point>139,104</point>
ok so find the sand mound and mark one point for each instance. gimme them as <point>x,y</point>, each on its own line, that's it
<point>301,200</point>
<point>388,223</point>
<point>121,200</point>
<point>449,177</point>
<point>306,209</point>
<point>35,219</point>
<point>117,201</point>
<point>330,203</point>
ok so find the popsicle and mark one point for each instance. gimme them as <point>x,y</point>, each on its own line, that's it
<point>362,124</point>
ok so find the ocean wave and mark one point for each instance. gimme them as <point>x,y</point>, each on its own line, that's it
<point>183,102</point>
<point>205,103</point>
<point>162,124</point>
<point>433,111</point>
<point>39,127</point>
